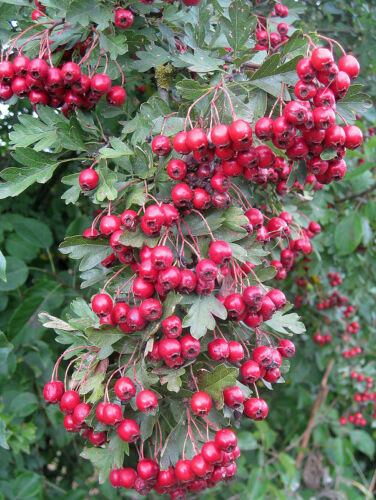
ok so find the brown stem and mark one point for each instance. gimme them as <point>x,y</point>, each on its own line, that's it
<point>320,400</point>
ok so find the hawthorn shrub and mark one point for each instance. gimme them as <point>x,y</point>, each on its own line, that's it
<point>197,156</point>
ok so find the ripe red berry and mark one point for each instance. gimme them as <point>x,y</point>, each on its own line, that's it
<point>321,58</point>
<point>128,430</point>
<point>71,72</point>
<point>80,412</point>
<point>226,440</point>
<point>262,355</point>
<point>220,183</point>
<point>116,96</point>
<point>218,349</point>
<point>235,306</point>
<point>206,270</point>
<point>196,139</point>
<point>109,224</point>
<point>180,143</point>
<point>123,18</point>
<point>177,169</point>
<point>181,195</point>
<point>190,347</point>
<point>68,401</point>
<point>250,371</point>
<point>37,69</point>
<point>161,257</point>
<point>124,388</point>
<point>253,296</point>
<point>220,136</point>
<point>112,414</point>
<point>97,438</point>
<point>264,128</point>
<point>53,391</point>
<point>161,145</point>
<point>240,132</point>
<point>353,137</point>
<point>69,424</point>
<point>172,327</point>
<point>236,351</point>
<point>200,466</point>
<point>233,397</point>
<point>350,65</point>
<point>102,304</point>
<point>100,84</point>
<point>256,408</point>
<point>201,403</point>
<point>220,252</point>
<point>135,321</point>
<point>151,309</point>
<point>88,179</point>
<point>278,298</point>
<point>20,65</point>
<point>146,401</point>
<point>183,471</point>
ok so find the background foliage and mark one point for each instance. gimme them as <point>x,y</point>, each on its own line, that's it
<point>39,461</point>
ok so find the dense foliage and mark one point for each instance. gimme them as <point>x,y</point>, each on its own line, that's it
<point>302,449</point>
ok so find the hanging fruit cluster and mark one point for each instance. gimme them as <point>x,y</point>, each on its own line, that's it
<point>175,346</point>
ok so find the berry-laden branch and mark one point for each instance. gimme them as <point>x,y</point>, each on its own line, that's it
<point>186,316</point>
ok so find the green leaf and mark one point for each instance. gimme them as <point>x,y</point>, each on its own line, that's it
<point>106,459</point>
<point>33,231</point>
<point>201,315</point>
<point>3,267</point>
<point>353,103</point>
<point>107,181</point>
<point>118,149</point>
<point>114,45</point>
<point>151,57</point>
<point>328,154</point>
<point>19,179</point>
<point>92,252</point>
<point>16,274</point>
<point>32,130</point>
<point>191,89</point>
<point>24,404</point>
<point>215,382</point>
<point>27,486</point>
<point>137,239</point>
<point>363,442</point>
<point>3,436</point>
<point>201,61</point>
<point>286,323</point>
<point>348,233</point>
<point>5,349</point>
<point>237,29</point>
<point>103,337</point>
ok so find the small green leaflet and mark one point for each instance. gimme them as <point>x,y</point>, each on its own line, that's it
<point>201,315</point>
<point>348,233</point>
<point>3,267</point>
<point>92,252</point>
<point>117,150</point>
<point>215,382</point>
<point>286,323</point>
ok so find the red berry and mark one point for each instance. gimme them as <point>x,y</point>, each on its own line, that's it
<point>253,296</point>
<point>116,96</point>
<point>112,414</point>
<point>212,453</point>
<point>151,309</point>
<point>68,401</point>
<point>128,430</point>
<point>37,69</point>
<point>181,195</point>
<point>102,304</point>
<point>226,440</point>
<point>220,136</point>
<point>71,72</point>
<point>350,65</point>
<point>124,388</point>
<point>196,139</point>
<point>146,401</point>
<point>206,270</point>
<point>218,349</point>
<point>240,132</point>
<point>250,371</point>
<point>264,128</point>
<point>233,397</point>
<point>100,84</point>
<point>190,347</point>
<point>88,179</point>
<point>236,351</point>
<point>147,469</point>
<point>321,58</point>
<point>220,252</point>
<point>161,145</point>
<point>109,224</point>
<point>172,327</point>
<point>177,169</point>
<point>183,471</point>
<point>20,65</point>
<point>161,257</point>
<point>354,137</point>
<point>53,391</point>
<point>235,306</point>
<point>201,403</point>
<point>80,412</point>
<point>256,408</point>
<point>180,143</point>
<point>123,18</point>
<point>286,348</point>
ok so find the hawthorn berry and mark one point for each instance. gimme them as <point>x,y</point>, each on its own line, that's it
<point>201,403</point>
